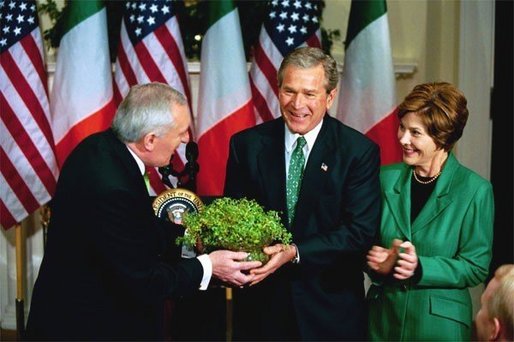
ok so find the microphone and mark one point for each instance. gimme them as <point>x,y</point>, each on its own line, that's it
<point>190,169</point>
<point>166,172</point>
<point>191,151</point>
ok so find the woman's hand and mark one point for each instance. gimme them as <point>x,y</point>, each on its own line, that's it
<point>407,261</point>
<point>382,260</point>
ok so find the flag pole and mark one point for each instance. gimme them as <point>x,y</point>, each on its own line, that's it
<point>20,286</point>
<point>45,221</point>
<point>229,333</point>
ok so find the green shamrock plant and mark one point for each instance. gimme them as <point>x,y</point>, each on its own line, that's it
<point>234,224</point>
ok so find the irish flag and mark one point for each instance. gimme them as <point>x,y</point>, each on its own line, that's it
<point>81,100</point>
<point>367,90</point>
<point>225,105</point>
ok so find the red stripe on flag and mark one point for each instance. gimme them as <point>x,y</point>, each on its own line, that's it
<point>124,64</point>
<point>172,50</point>
<point>260,103</point>
<point>267,68</point>
<point>216,141</point>
<point>27,95</point>
<point>384,133</point>
<point>313,41</point>
<point>116,94</point>
<point>32,51</point>
<point>17,183</point>
<point>26,145</point>
<point>151,69</point>
<point>7,219</point>
<point>95,122</point>
<point>155,180</point>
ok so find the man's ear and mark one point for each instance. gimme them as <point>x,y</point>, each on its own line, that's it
<point>149,141</point>
<point>496,332</point>
<point>330,98</point>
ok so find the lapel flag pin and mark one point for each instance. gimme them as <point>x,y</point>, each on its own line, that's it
<point>324,167</point>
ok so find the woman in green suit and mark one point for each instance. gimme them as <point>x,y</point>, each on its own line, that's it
<point>436,230</point>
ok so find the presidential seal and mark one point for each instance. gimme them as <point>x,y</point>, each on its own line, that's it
<point>171,205</point>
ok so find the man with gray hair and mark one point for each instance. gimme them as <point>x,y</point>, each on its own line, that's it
<point>103,275</point>
<point>323,177</point>
<point>495,319</point>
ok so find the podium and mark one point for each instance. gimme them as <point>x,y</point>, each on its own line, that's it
<point>202,316</point>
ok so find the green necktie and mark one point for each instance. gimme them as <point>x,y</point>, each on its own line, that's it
<point>147,181</point>
<point>294,177</point>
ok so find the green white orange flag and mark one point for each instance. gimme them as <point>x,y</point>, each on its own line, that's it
<point>81,100</point>
<point>367,90</point>
<point>225,99</point>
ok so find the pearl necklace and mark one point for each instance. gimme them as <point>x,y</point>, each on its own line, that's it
<point>428,181</point>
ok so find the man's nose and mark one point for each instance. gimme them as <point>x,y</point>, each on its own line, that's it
<point>298,101</point>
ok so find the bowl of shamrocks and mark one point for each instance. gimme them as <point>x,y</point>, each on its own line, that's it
<point>234,224</point>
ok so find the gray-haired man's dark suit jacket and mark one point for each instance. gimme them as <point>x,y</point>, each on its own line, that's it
<point>103,276</point>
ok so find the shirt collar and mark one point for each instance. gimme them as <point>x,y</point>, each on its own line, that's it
<point>138,160</point>
<point>310,137</point>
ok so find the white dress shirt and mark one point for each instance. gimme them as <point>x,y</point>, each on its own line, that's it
<point>290,143</point>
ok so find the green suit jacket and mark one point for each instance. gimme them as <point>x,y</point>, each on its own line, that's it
<point>453,236</point>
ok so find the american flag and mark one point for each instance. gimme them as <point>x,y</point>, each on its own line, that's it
<point>289,24</point>
<point>28,167</point>
<point>151,50</point>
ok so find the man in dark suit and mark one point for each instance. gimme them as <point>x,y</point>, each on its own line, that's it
<point>312,290</point>
<point>103,275</point>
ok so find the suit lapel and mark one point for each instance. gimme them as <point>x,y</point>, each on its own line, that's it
<point>440,198</point>
<point>271,164</point>
<point>398,200</point>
